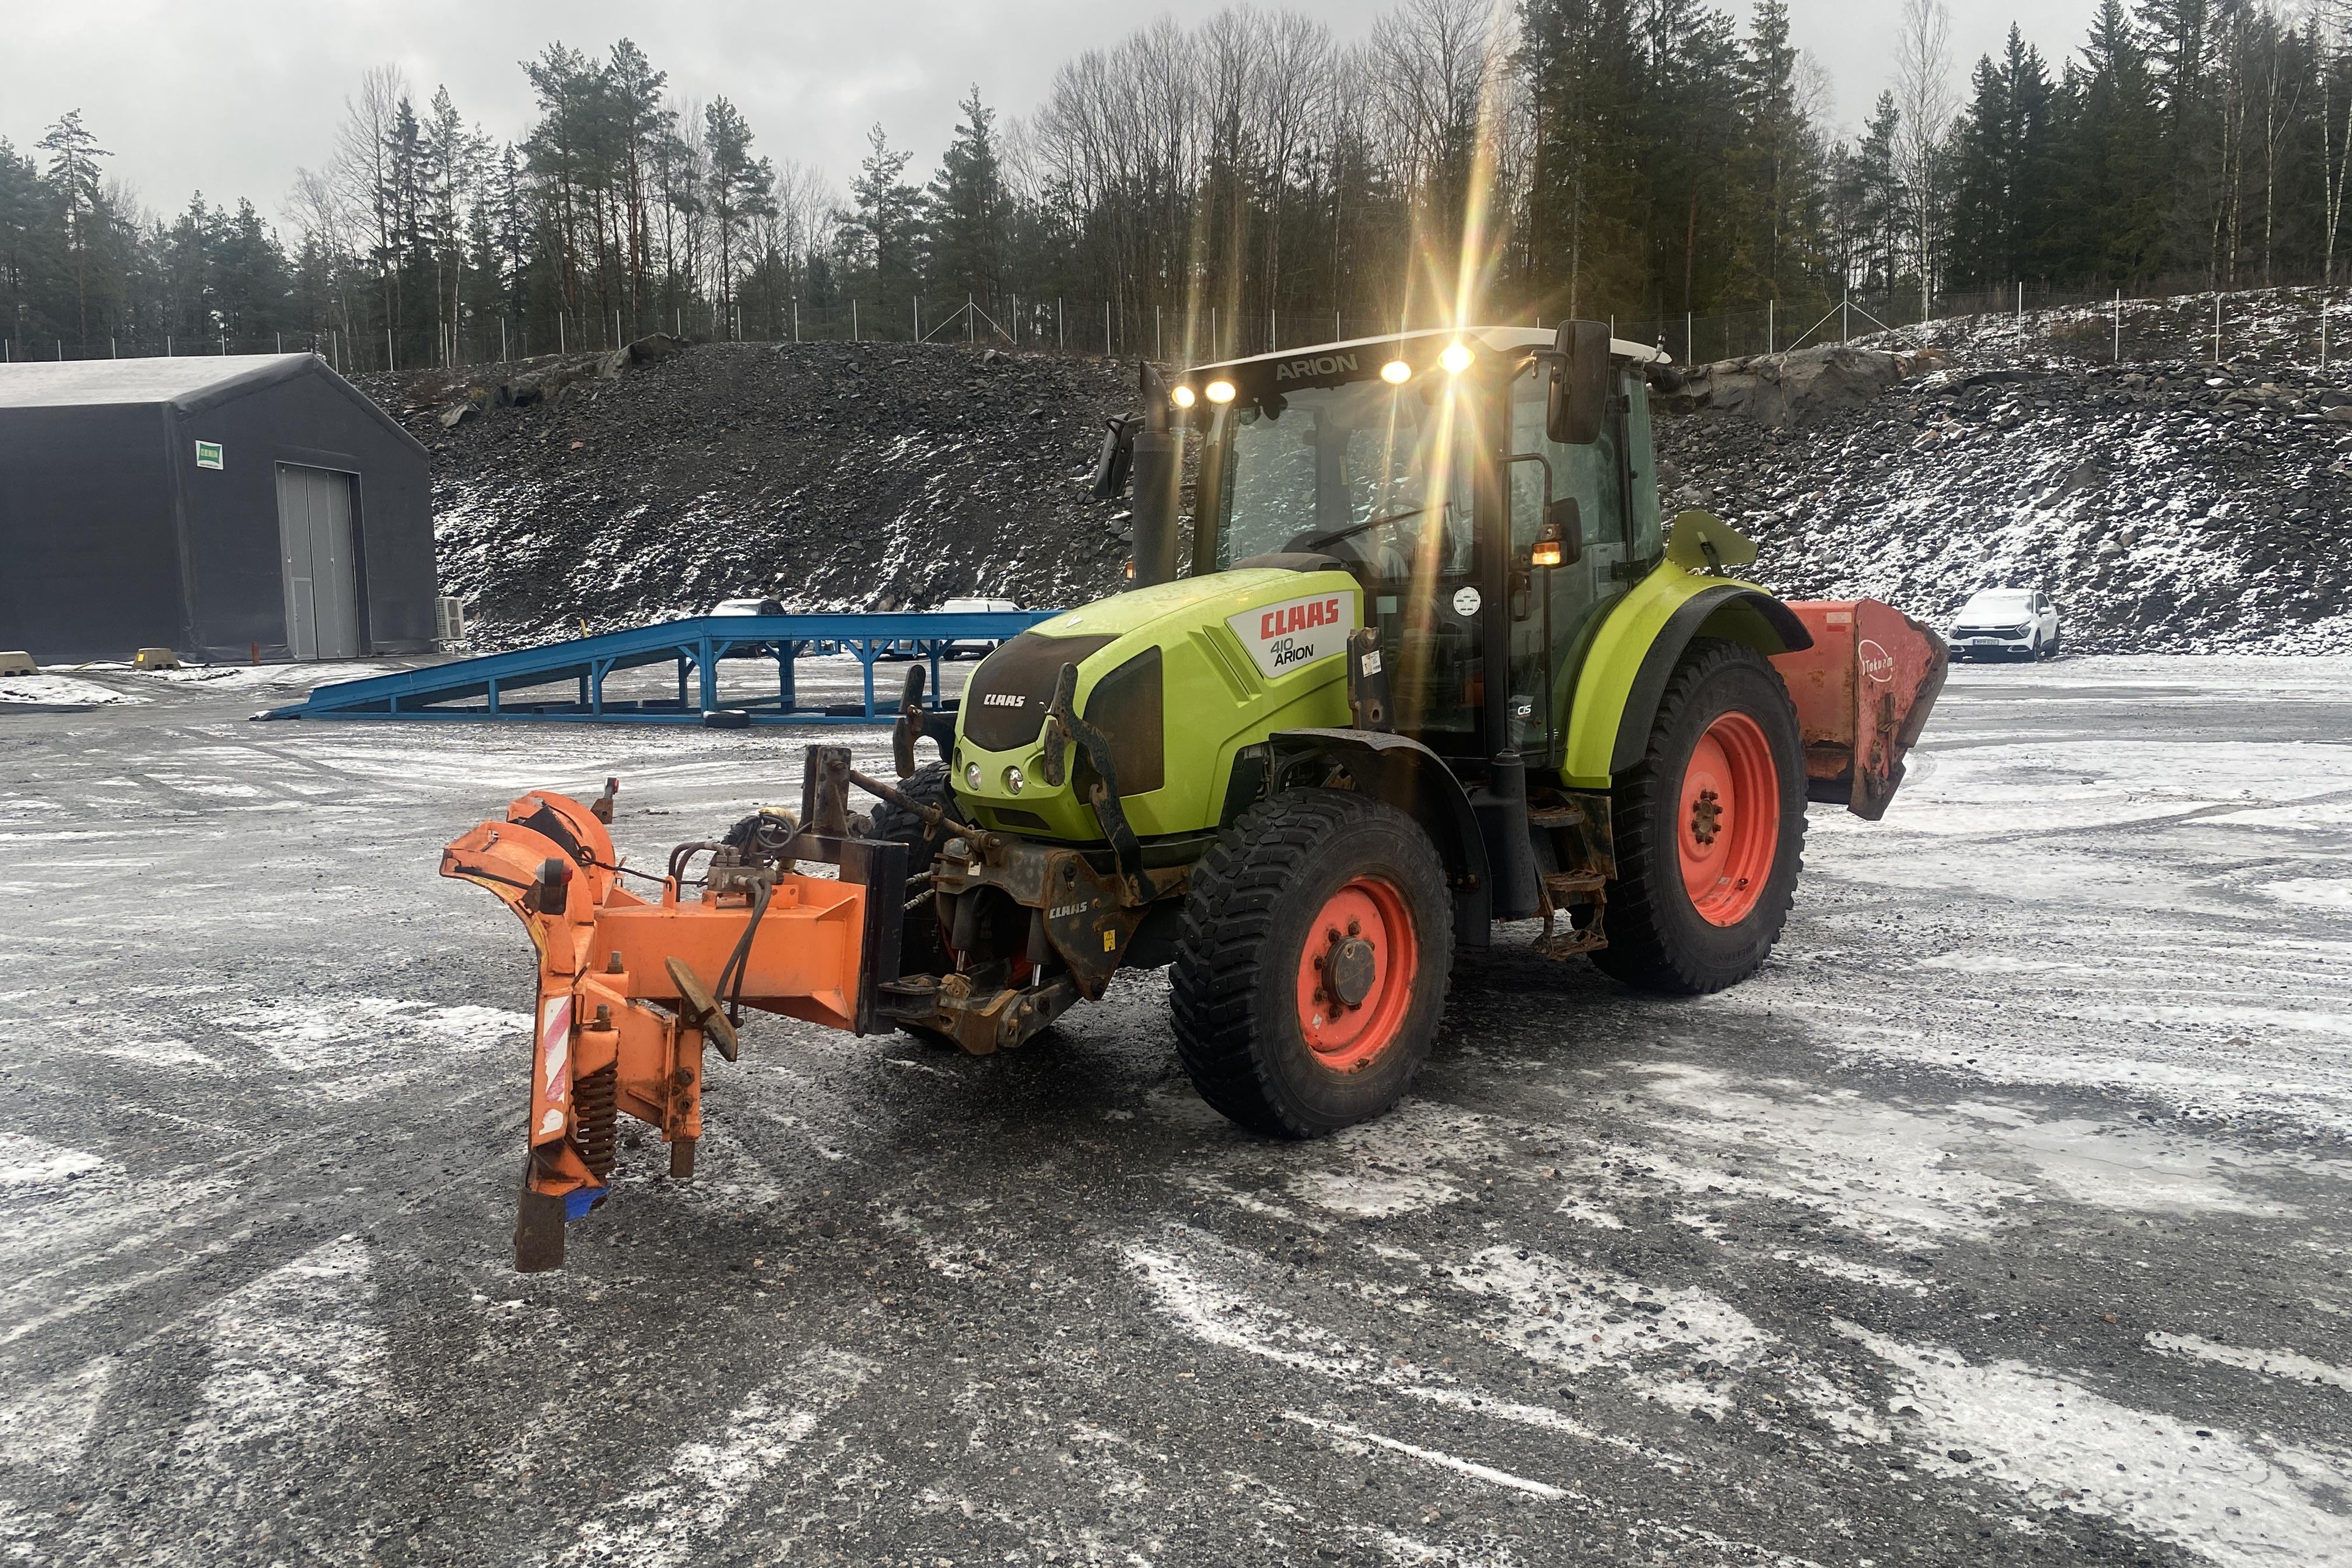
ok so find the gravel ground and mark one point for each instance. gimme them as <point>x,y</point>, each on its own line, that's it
<point>2001,1219</point>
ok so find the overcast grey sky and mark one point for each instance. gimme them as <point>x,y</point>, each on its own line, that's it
<point>230,97</point>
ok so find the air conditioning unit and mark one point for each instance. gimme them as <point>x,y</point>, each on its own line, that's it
<point>449,621</point>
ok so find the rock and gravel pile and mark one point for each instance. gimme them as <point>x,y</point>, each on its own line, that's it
<point>606,491</point>
<point>2168,507</point>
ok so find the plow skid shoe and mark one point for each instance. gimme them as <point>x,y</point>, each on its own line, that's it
<point>1864,691</point>
<point>629,988</point>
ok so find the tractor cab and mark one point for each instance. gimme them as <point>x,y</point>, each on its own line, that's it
<point>1430,467</point>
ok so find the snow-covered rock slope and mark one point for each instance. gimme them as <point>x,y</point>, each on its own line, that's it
<point>2167,506</point>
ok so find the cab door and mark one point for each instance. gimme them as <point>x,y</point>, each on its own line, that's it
<point>1556,610</point>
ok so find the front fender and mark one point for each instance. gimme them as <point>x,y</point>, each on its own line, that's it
<point>1402,773</point>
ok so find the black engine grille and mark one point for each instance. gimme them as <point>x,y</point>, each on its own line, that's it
<point>1005,702</point>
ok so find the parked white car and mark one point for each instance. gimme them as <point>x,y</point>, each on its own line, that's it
<point>972,648</point>
<point>2006,623</point>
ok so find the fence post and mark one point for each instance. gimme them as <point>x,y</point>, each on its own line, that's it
<point>1108,347</point>
<point>2323,327</point>
<point>1771,326</point>
<point>2217,326</point>
<point>852,321</point>
<point>796,321</point>
<point>2119,326</point>
<point>1845,316</point>
<point>1690,344</point>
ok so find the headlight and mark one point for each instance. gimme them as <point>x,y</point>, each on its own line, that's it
<point>1455,359</point>
<point>1396,373</point>
<point>1013,781</point>
<point>1182,397</point>
<point>1221,392</point>
<point>971,776</point>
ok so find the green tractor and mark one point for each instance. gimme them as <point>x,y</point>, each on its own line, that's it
<point>1437,666</point>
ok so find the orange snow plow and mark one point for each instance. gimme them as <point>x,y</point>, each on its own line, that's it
<point>630,988</point>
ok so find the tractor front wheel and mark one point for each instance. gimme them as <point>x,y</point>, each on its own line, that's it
<point>1311,972</point>
<point>1710,829</point>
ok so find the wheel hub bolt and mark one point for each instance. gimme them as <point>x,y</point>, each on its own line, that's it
<point>1706,817</point>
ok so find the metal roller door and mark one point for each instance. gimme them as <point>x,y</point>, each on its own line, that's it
<point>314,532</point>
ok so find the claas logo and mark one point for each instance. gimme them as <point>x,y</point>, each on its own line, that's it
<point>1285,619</point>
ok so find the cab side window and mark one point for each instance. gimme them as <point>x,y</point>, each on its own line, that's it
<point>1591,473</point>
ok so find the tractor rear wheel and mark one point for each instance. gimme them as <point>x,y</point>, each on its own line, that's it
<point>1312,967</point>
<point>1710,829</point>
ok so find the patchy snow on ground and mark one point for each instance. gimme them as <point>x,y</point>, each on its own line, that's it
<point>62,691</point>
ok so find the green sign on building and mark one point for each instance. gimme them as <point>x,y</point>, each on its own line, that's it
<point>208,454</point>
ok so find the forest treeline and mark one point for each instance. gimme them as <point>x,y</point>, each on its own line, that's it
<point>1630,158</point>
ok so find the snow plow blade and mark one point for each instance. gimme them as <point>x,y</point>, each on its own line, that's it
<point>630,988</point>
<point>1864,691</point>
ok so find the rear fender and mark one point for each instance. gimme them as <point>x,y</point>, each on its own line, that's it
<point>1400,772</point>
<point>1616,694</point>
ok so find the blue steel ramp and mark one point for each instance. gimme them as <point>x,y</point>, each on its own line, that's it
<point>565,680</point>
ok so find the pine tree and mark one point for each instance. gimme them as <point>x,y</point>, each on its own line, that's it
<point>73,154</point>
<point>883,233</point>
<point>2001,205</point>
<point>968,211</point>
<point>739,188</point>
<point>2108,218</point>
<point>1877,197</point>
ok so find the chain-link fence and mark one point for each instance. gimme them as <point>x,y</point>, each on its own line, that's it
<point>2295,323</point>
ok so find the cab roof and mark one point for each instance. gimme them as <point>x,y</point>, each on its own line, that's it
<point>1497,338</point>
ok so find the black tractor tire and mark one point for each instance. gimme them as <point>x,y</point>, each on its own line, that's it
<point>1658,939</point>
<point>926,785</point>
<point>1249,939</point>
<point>922,946</point>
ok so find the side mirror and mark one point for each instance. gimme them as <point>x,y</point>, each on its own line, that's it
<point>1564,530</point>
<point>1117,458</point>
<point>1577,401</point>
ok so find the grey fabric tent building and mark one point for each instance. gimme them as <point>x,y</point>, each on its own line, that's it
<point>209,505</point>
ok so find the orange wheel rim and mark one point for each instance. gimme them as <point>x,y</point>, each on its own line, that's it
<point>1728,821</point>
<point>1355,974</point>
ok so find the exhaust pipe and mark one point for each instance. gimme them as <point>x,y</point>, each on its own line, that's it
<point>1158,479</point>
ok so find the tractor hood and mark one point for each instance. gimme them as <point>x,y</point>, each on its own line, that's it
<point>1177,676</point>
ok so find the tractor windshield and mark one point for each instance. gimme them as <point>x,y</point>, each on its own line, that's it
<point>1364,471</point>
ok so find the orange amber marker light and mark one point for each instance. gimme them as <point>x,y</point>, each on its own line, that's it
<point>1547,550</point>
